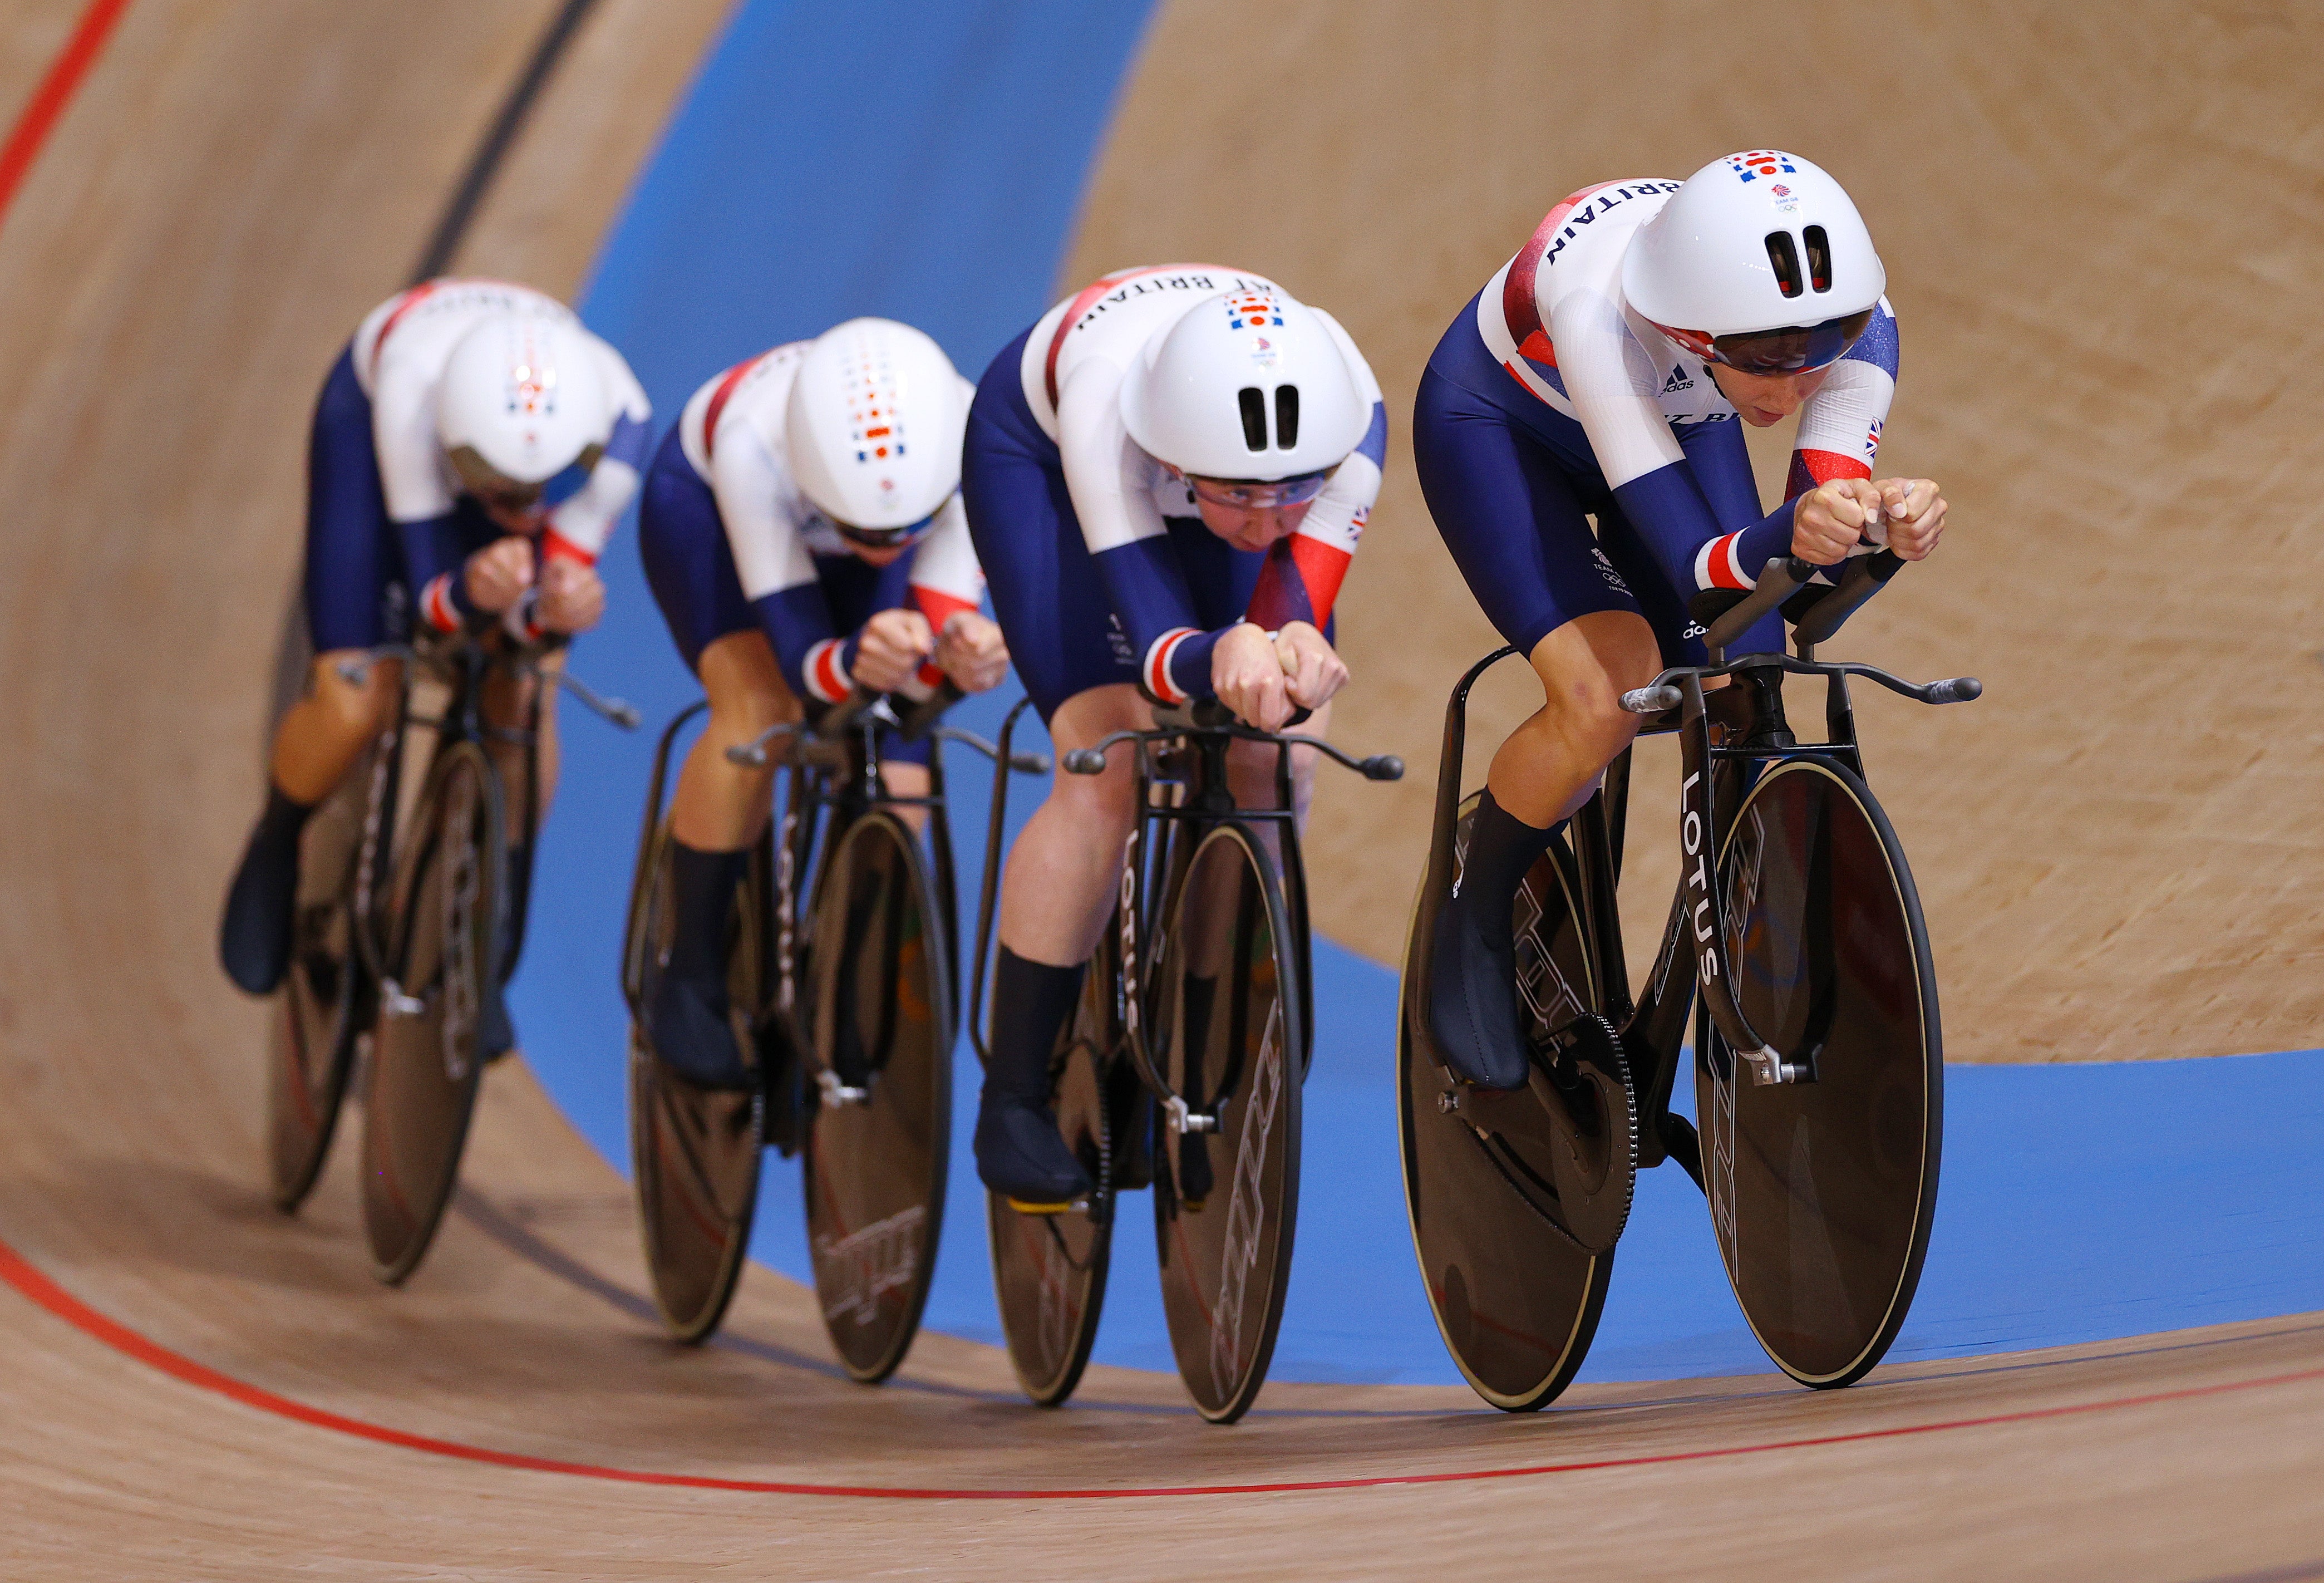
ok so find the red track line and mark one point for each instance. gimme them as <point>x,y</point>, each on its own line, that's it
<point>32,1283</point>
<point>56,91</point>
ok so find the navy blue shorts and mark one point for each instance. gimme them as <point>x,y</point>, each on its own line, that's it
<point>1513,502</point>
<point>1063,637</point>
<point>357,590</point>
<point>1516,517</point>
<point>690,567</point>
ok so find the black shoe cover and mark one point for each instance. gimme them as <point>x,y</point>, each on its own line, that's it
<point>1472,1002</point>
<point>1022,1155</point>
<point>254,937</point>
<point>694,1035</point>
<point>495,1034</point>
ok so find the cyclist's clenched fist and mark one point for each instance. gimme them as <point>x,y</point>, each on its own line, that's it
<point>1313,670</point>
<point>892,646</point>
<point>972,653</point>
<point>1247,674</point>
<point>1832,518</point>
<point>572,595</point>
<point>1915,513</point>
<point>498,575</point>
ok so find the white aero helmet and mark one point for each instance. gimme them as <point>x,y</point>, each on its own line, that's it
<point>874,429</point>
<point>1758,261</point>
<point>1247,386</point>
<point>523,399</point>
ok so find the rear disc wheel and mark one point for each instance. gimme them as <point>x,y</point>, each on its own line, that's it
<point>1517,1298</point>
<point>311,1033</point>
<point>1049,1271</point>
<point>695,1152</point>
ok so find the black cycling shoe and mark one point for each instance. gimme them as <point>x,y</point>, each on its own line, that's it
<point>254,936</point>
<point>1022,1156</point>
<point>694,1035</point>
<point>1472,1001</point>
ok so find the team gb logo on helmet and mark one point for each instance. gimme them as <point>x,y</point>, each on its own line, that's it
<point>1255,310</point>
<point>1761,162</point>
<point>532,389</point>
<point>871,412</point>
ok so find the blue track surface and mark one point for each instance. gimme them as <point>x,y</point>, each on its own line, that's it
<point>928,169</point>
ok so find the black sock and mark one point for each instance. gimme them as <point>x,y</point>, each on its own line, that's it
<point>280,825</point>
<point>1501,848</point>
<point>1030,1003</point>
<point>704,886</point>
<point>519,885</point>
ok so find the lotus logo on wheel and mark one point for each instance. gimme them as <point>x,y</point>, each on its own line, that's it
<point>853,1272</point>
<point>1129,900</point>
<point>460,895</point>
<point>786,989</point>
<point>1246,1208</point>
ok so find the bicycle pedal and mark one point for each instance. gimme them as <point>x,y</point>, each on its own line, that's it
<point>1022,1207</point>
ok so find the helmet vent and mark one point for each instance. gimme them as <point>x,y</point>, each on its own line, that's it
<point>1254,416</point>
<point>1819,257</point>
<point>1785,258</point>
<point>1287,416</point>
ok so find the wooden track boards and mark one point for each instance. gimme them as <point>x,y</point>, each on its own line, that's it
<point>238,184</point>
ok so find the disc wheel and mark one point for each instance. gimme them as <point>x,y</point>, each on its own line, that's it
<point>312,1032</point>
<point>695,1152</point>
<point>1049,1271</point>
<point>1516,1297</point>
<point>1821,1192</point>
<point>1228,1028</point>
<point>877,1145</point>
<point>444,919</point>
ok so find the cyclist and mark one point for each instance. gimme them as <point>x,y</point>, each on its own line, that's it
<point>1166,476</point>
<point>802,532</point>
<point>1600,373</point>
<point>470,451</point>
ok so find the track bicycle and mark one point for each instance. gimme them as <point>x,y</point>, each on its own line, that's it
<point>411,916</point>
<point>844,1013</point>
<point>1796,954</point>
<point>1181,1068</point>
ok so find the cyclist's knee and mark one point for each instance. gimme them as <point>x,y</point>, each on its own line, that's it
<point>351,709</point>
<point>1097,805</point>
<point>1585,667</point>
<point>745,685</point>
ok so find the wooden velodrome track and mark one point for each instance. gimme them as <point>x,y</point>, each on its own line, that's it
<point>2104,228</point>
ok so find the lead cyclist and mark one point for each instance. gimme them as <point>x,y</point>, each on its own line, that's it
<point>1599,374</point>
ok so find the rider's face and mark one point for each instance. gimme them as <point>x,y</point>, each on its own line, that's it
<point>1765,400</point>
<point>872,556</point>
<point>1252,528</point>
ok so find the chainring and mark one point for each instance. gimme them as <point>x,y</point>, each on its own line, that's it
<point>1583,1082</point>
